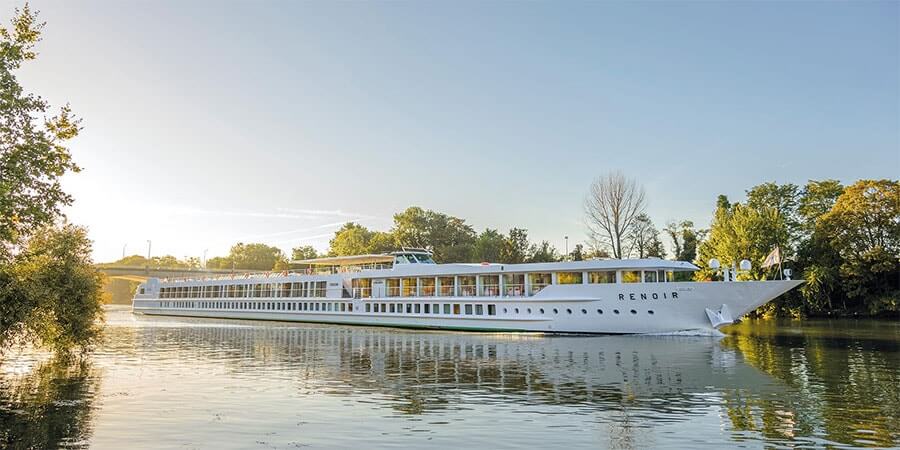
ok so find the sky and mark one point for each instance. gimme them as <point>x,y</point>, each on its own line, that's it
<point>210,123</point>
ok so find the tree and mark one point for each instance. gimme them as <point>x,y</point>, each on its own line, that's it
<point>449,238</point>
<point>50,293</point>
<point>863,226</point>
<point>611,210</point>
<point>515,248</point>
<point>33,155</point>
<point>488,246</point>
<point>543,252</point>
<point>250,257</point>
<point>684,240</point>
<point>304,252</point>
<point>577,253</point>
<point>644,239</point>
<point>350,239</point>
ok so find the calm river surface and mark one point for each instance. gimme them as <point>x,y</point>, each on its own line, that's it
<point>198,383</point>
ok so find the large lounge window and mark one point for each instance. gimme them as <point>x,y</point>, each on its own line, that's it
<point>448,286</point>
<point>569,277</point>
<point>514,284</point>
<point>608,276</point>
<point>650,276</point>
<point>467,285</point>
<point>362,287</point>
<point>631,276</point>
<point>490,285</point>
<point>539,281</point>
<point>427,285</point>
<point>393,287</point>
<point>409,287</point>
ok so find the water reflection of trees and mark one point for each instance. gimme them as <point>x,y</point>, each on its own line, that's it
<point>845,388</point>
<point>421,372</point>
<point>48,405</point>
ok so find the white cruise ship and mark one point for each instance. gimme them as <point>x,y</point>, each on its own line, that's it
<point>407,289</point>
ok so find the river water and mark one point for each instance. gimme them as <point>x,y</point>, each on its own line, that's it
<point>198,383</point>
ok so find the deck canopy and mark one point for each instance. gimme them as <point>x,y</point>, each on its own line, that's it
<point>339,261</point>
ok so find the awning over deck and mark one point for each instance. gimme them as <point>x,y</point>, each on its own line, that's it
<point>355,260</point>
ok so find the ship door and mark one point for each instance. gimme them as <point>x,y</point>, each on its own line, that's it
<point>378,289</point>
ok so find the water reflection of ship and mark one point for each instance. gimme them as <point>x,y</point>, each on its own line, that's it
<point>434,369</point>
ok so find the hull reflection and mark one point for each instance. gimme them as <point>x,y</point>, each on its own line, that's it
<point>427,371</point>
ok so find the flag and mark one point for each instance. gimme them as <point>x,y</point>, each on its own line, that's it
<point>773,259</point>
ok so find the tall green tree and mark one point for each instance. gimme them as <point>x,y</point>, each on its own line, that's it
<point>33,152</point>
<point>516,248</point>
<point>254,256</point>
<point>304,252</point>
<point>50,293</point>
<point>449,238</point>
<point>864,228</point>
<point>488,246</point>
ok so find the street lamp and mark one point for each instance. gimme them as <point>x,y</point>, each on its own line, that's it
<point>149,246</point>
<point>567,246</point>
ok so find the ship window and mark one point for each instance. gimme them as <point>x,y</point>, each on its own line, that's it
<point>427,308</point>
<point>426,287</point>
<point>466,286</point>
<point>456,308</point>
<point>631,276</point>
<point>446,308</point>
<point>607,276</point>
<point>479,310</point>
<point>584,311</point>
<point>505,310</point>
<point>568,310</point>
<point>343,307</point>
<point>447,288</point>
<point>555,311</point>
<point>542,310</point>
<point>649,276</point>
<point>409,287</point>
<point>529,310</point>
<point>393,307</point>
<point>285,289</point>
<point>490,285</point>
<point>350,307</point>
<point>492,310</point>
<point>650,312</point>
<point>539,281</point>
<point>514,284</point>
<point>368,307</point>
<point>409,308</point>
<point>599,311</point>
<point>568,277</point>
<point>418,308</point>
<point>517,310</point>
<point>633,311</point>
<point>384,307</point>
<point>468,310</point>
<point>615,311</point>
<point>392,286</point>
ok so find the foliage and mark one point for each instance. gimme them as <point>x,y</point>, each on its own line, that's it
<point>250,257</point>
<point>843,242</point>
<point>166,261</point>
<point>644,239</point>
<point>685,239</point>
<point>448,238</point>
<point>52,292</point>
<point>612,208</point>
<point>33,156</point>
<point>488,245</point>
<point>304,252</point>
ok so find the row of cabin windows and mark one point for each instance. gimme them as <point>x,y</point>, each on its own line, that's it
<point>494,285</point>
<point>265,290</point>
<point>263,306</point>
<point>429,308</point>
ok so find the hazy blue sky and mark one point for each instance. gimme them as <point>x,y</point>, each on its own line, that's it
<point>207,123</point>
